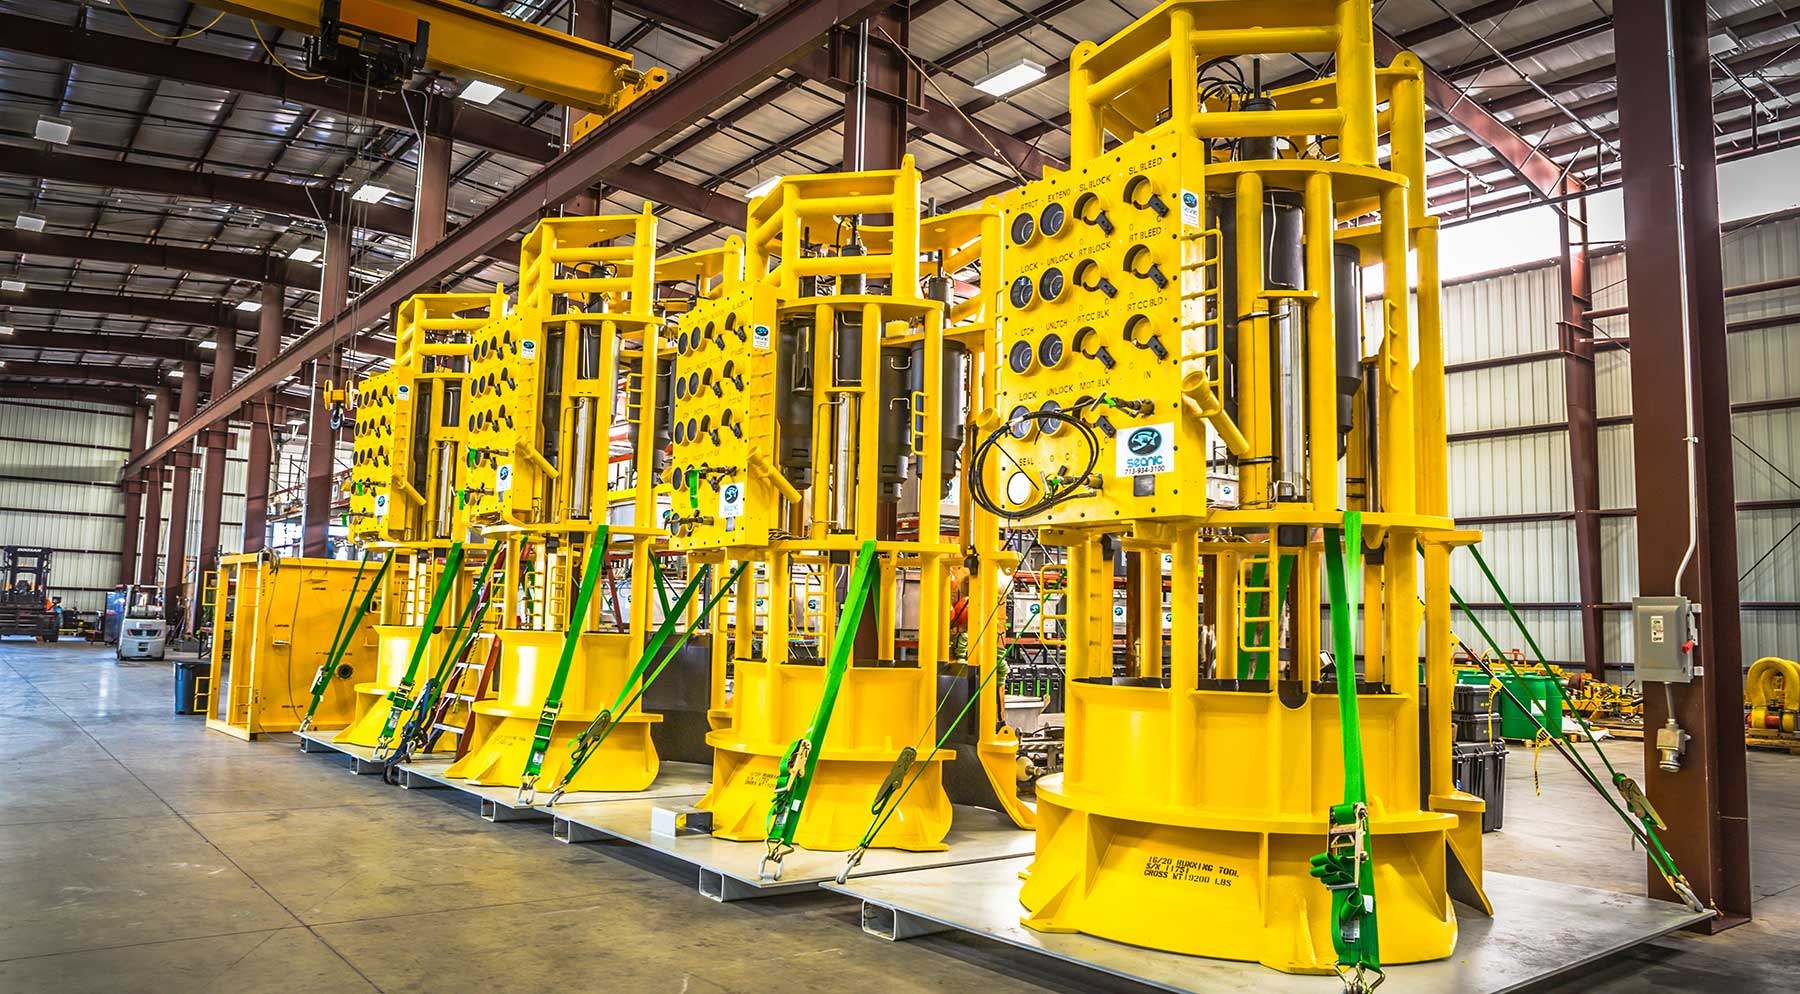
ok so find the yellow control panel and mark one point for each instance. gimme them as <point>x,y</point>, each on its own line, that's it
<point>381,463</point>
<point>723,425</point>
<point>1106,311</point>
<point>501,415</point>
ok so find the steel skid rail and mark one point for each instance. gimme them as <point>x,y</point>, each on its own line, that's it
<point>1186,371</point>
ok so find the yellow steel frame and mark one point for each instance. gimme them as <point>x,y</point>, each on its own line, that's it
<point>798,534</point>
<point>1187,811</point>
<point>413,512</point>
<point>472,42</point>
<point>266,622</point>
<point>546,385</point>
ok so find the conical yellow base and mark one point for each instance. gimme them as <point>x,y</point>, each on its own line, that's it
<point>1232,892</point>
<point>837,807</point>
<point>501,742</point>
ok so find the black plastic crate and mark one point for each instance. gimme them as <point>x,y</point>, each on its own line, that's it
<point>1479,768</point>
<point>1481,727</point>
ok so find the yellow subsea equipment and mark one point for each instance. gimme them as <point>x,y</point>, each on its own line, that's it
<point>812,400</point>
<point>406,504</point>
<point>556,385</point>
<point>1772,700</point>
<point>266,646</point>
<point>1186,371</point>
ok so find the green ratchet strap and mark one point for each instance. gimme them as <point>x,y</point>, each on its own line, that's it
<point>802,758</point>
<point>1265,650</point>
<point>1345,867</point>
<point>462,638</point>
<point>400,698</point>
<point>1636,812</point>
<point>896,785</point>
<point>642,675</point>
<point>584,595</point>
<point>340,643</point>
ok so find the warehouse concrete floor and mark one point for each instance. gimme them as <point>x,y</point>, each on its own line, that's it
<point>139,853</point>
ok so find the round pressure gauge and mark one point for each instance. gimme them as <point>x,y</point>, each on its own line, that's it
<point>1050,221</point>
<point>1020,423</point>
<point>1019,358</point>
<point>1050,351</point>
<point>1023,227</point>
<point>1050,285</point>
<point>1020,293</point>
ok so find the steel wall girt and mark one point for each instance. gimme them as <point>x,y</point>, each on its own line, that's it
<point>450,118</point>
<point>1675,287</point>
<point>136,376</point>
<point>254,266</point>
<point>11,389</point>
<point>773,43</point>
<point>296,199</point>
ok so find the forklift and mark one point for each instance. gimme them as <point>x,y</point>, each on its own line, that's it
<point>26,607</point>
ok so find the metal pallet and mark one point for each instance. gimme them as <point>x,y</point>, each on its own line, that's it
<point>1541,929</point>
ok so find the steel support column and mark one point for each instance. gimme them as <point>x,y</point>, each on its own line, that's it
<point>328,368</point>
<point>1686,521</point>
<point>153,489</point>
<point>262,426</point>
<point>212,479</point>
<point>181,477</point>
<point>134,500</point>
<point>431,193</point>
<point>874,121</point>
<point>589,20</point>
<point>1577,346</point>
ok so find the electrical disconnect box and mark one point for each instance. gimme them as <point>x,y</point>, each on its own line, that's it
<point>1663,639</point>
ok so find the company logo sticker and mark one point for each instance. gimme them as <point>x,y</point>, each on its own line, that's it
<point>1147,450</point>
<point>760,337</point>
<point>528,350</point>
<point>1190,209</point>
<point>731,500</point>
<point>503,478</point>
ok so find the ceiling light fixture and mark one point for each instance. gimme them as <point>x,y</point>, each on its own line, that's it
<point>304,254</point>
<point>54,130</point>
<point>6,329</point>
<point>29,222</point>
<point>209,344</point>
<point>12,286</point>
<point>1010,79</point>
<point>480,91</point>
<point>370,193</point>
<point>249,305</point>
<point>175,374</point>
<point>762,189</point>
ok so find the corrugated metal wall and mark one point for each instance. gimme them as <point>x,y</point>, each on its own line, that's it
<point>1520,468</point>
<point>59,470</point>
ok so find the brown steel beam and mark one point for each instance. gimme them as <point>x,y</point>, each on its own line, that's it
<point>443,117</point>
<point>1577,339</point>
<point>131,376</point>
<point>134,500</point>
<point>154,476</point>
<point>176,310</point>
<point>212,479</point>
<point>327,369</point>
<point>1679,362</point>
<point>254,266</point>
<point>768,46</point>
<point>296,199</point>
<point>431,193</point>
<point>1443,96</point>
<point>262,428</point>
<point>181,493</point>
